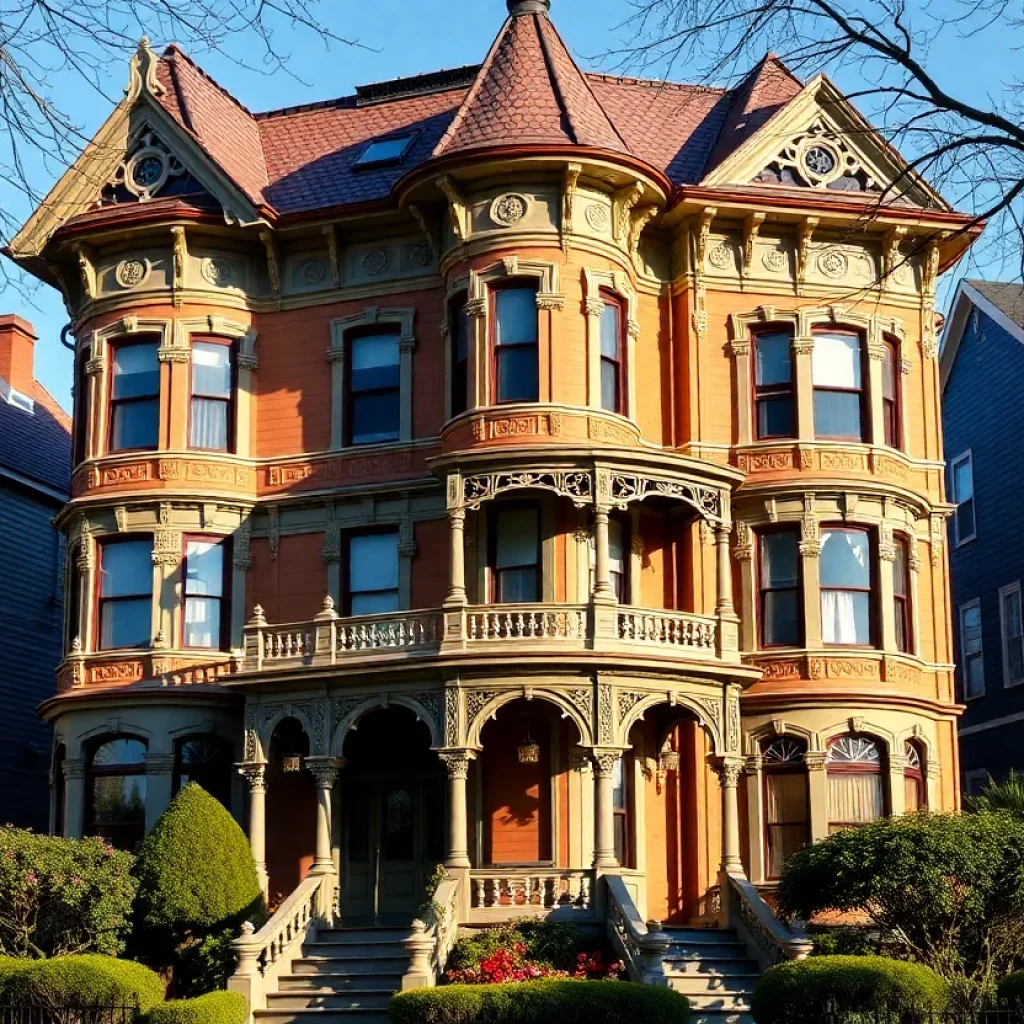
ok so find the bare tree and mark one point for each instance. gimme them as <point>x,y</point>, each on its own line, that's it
<point>971,150</point>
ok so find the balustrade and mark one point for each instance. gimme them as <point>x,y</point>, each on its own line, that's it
<point>667,628</point>
<point>527,622</point>
<point>494,892</point>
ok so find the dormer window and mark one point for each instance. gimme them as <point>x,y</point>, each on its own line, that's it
<point>380,152</point>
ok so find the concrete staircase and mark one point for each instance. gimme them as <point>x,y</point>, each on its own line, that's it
<point>713,969</point>
<point>346,977</point>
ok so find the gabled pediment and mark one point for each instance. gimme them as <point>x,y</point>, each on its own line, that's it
<point>819,141</point>
<point>150,169</point>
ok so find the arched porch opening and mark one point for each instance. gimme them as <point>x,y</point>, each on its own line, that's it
<point>291,810</point>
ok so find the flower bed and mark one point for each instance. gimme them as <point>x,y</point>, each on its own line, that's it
<point>514,964</point>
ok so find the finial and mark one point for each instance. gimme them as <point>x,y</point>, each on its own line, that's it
<point>516,7</point>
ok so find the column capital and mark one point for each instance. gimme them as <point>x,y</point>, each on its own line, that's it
<point>457,762</point>
<point>605,759</point>
<point>728,770</point>
<point>325,770</point>
<point>255,773</point>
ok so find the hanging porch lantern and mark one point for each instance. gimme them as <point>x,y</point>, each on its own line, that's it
<point>291,763</point>
<point>668,761</point>
<point>529,751</point>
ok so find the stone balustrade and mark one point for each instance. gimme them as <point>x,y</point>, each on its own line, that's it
<point>497,893</point>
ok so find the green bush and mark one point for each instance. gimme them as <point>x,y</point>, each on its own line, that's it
<point>1011,989</point>
<point>552,943</point>
<point>540,1002</point>
<point>840,985</point>
<point>213,1008</point>
<point>87,979</point>
<point>62,895</point>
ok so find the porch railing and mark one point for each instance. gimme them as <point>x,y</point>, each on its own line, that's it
<point>668,629</point>
<point>433,938</point>
<point>527,622</point>
<point>769,939</point>
<point>641,944</point>
<point>496,893</point>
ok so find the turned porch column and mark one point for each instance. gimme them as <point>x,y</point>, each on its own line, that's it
<point>724,604</point>
<point>603,589</point>
<point>604,809</point>
<point>457,764</point>
<point>456,557</point>
<point>325,773</point>
<point>256,775</point>
<point>728,771</point>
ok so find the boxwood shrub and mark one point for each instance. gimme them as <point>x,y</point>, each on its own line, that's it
<point>88,979</point>
<point>1011,989</point>
<point>541,1002</point>
<point>809,989</point>
<point>213,1008</point>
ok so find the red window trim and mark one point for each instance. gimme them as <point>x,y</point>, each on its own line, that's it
<point>113,403</point>
<point>230,401</point>
<point>225,599</point>
<point>862,391</point>
<point>762,590</point>
<point>872,590</point>
<point>369,331</point>
<point>492,545</point>
<point>772,390</point>
<point>509,284</point>
<point>892,346</point>
<point>98,599</point>
<point>610,298</point>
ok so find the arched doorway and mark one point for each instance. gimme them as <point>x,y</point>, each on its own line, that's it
<point>393,817</point>
<point>291,810</point>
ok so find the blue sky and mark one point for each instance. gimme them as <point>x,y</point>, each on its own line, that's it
<point>404,37</point>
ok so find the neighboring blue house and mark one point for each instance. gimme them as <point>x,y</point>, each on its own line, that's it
<point>35,467</point>
<point>982,366</point>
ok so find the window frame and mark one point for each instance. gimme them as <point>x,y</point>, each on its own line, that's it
<point>458,313</point>
<point>611,298</point>
<point>510,284</point>
<point>81,417</point>
<point>783,768</point>
<point>626,813</point>
<point>114,345</point>
<point>492,548</point>
<point>224,543</point>
<point>892,407</point>
<point>226,748</point>
<point>917,775</point>
<point>964,672</point>
<point>879,768</point>
<point>126,770</point>
<point>99,600</point>
<point>759,393</point>
<point>862,392</point>
<point>231,401</point>
<point>346,577</point>
<point>958,540</point>
<point>762,590</point>
<point>873,590</point>
<point>380,330</point>
<point>903,605</point>
<point>362,163</point>
<point>1011,588</point>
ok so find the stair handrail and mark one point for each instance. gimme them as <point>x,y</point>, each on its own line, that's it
<point>771,940</point>
<point>434,936</point>
<point>262,956</point>
<point>642,945</point>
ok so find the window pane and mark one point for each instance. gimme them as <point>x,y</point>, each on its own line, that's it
<point>836,362</point>
<point>204,568</point>
<point>119,809</point>
<point>845,617</point>
<point>209,427</point>
<point>965,519</point>
<point>126,623</point>
<point>787,797</point>
<point>515,316</point>
<point>136,371</point>
<point>781,618</point>
<point>619,784</point>
<point>610,328</point>
<point>202,622</point>
<point>975,676</point>
<point>211,370</point>
<point>889,373</point>
<point>375,417</point>
<point>854,798</point>
<point>970,622</point>
<point>837,414</point>
<point>610,387</point>
<point>136,425</point>
<point>373,562</point>
<point>518,533</point>
<point>775,416</point>
<point>963,481</point>
<point>380,602</point>
<point>518,374</point>
<point>899,570</point>
<point>774,361</point>
<point>845,559</point>
<point>780,560</point>
<point>616,546</point>
<point>120,751</point>
<point>517,586</point>
<point>127,568</point>
<point>374,362</point>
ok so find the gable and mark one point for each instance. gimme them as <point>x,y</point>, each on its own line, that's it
<point>150,169</point>
<point>968,312</point>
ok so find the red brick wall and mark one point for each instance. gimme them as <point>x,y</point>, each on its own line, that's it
<point>292,586</point>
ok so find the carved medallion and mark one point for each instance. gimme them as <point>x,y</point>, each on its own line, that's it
<point>722,257</point>
<point>833,263</point>
<point>131,273</point>
<point>508,209</point>
<point>419,256</point>
<point>217,272</point>
<point>775,261</point>
<point>375,261</point>
<point>313,271</point>
<point>597,217</point>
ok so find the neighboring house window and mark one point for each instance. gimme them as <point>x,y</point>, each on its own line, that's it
<point>916,795</point>
<point>779,604</point>
<point>787,803</point>
<point>213,388</point>
<point>81,421</point>
<point>205,760</point>
<point>964,523</point>
<point>116,793</point>
<point>901,596</point>
<point>1013,635</point>
<point>974,781</point>
<point>374,405</point>
<point>972,659</point>
<point>204,597</point>
<point>459,319</point>
<point>773,385</point>
<point>516,361</point>
<point>846,587</point>
<point>838,369</point>
<point>126,593</point>
<point>622,799</point>
<point>515,554</point>
<point>891,394</point>
<point>372,573</point>
<point>613,355</point>
<point>856,793</point>
<point>135,396</point>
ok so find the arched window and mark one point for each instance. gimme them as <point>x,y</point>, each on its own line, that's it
<point>207,761</point>
<point>787,825</point>
<point>913,778</point>
<point>117,791</point>
<point>856,793</point>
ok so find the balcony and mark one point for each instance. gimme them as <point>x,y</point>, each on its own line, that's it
<point>329,640</point>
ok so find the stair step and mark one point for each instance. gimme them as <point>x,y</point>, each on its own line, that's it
<point>731,967</point>
<point>327,999</point>
<point>340,982</point>
<point>706,984</point>
<point>736,1002</point>
<point>364,934</point>
<point>318,1016</point>
<point>702,934</point>
<point>350,965</point>
<point>720,1017</point>
<point>707,951</point>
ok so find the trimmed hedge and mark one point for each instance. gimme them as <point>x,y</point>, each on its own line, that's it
<point>1011,989</point>
<point>541,1002</point>
<point>213,1008</point>
<point>89,979</point>
<point>820,985</point>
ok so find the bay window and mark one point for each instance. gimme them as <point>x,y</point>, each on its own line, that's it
<point>787,803</point>
<point>613,362</point>
<point>116,792</point>
<point>891,394</point>
<point>515,555</point>
<point>856,790</point>
<point>211,426</point>
<point>459,356</point>
<point>373,386</point>
<point>372,573</point>
<point>622,795</point>
<point>204,620</point>
<point>915,792</point>
<point>901,595</point>
<point>846,587</point>
<point>838,374</point>
<point>773,385</point>
<point>135,396</point>
<point>515,341</point>
<point>779,609</point>
<point>126,593</point>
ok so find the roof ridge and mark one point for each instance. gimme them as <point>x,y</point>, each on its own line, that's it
<point>604,76</point>
<point>173,50</point>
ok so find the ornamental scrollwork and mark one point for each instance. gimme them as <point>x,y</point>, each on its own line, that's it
<point>451,716</point>
<point>476,701</point>
<point>576,485</point>
<point>628,699</point>
<point>625,489</point>
<point>605,724</point>
<point>456,764</point>
<point>583,700</point>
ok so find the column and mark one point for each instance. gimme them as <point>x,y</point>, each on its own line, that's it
<point>74,798</point>
<point>604,811</point>
<point>817,792</point>
<point>803,352</point>
<point>456,557</point>
<point>255,775</point>
<point>876,362</point>
<point>724,605</point>
<point>159,786</point>
<point>325,773</point>
<point>728,770</point>
<point>457,763</point>
<point>755,818</point>
<point>602,571</point>
<point>896,784</point>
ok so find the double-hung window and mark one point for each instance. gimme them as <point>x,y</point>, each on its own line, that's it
<point>779,589</point>
<point>374,406</point>
<point>847,584</point>
<point>613,362</point>
<point>773,385</point>
<point>459,321</point>
<point>204,593</point>
<point>211,422</point>
<point>972,661</point>
<point>1013,634</point>
<point>372,573</point>
<point>622,799</point>
<point>516,361</point>
<point>901,595</point>
<point>135,396</point>
<point>838,370</point>
<point>965,526</point>
<point>515,555</point>
<point>126,593</point>
<point>891,394</point>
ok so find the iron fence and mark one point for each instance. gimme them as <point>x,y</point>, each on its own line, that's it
<point>67,1013</point>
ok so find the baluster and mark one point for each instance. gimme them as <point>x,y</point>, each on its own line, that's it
<point>478,892</point>
<point>585,891</point>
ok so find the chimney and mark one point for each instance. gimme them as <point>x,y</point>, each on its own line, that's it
<point>17,344</point>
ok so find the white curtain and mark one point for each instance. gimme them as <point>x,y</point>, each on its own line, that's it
<point>209,424</point>
<point>854,798</point>
<point>839,617</point>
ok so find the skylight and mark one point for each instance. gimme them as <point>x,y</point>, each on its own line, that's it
<point>384,151</point>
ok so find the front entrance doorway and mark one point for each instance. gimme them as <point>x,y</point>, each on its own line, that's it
<point>394,818</point>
